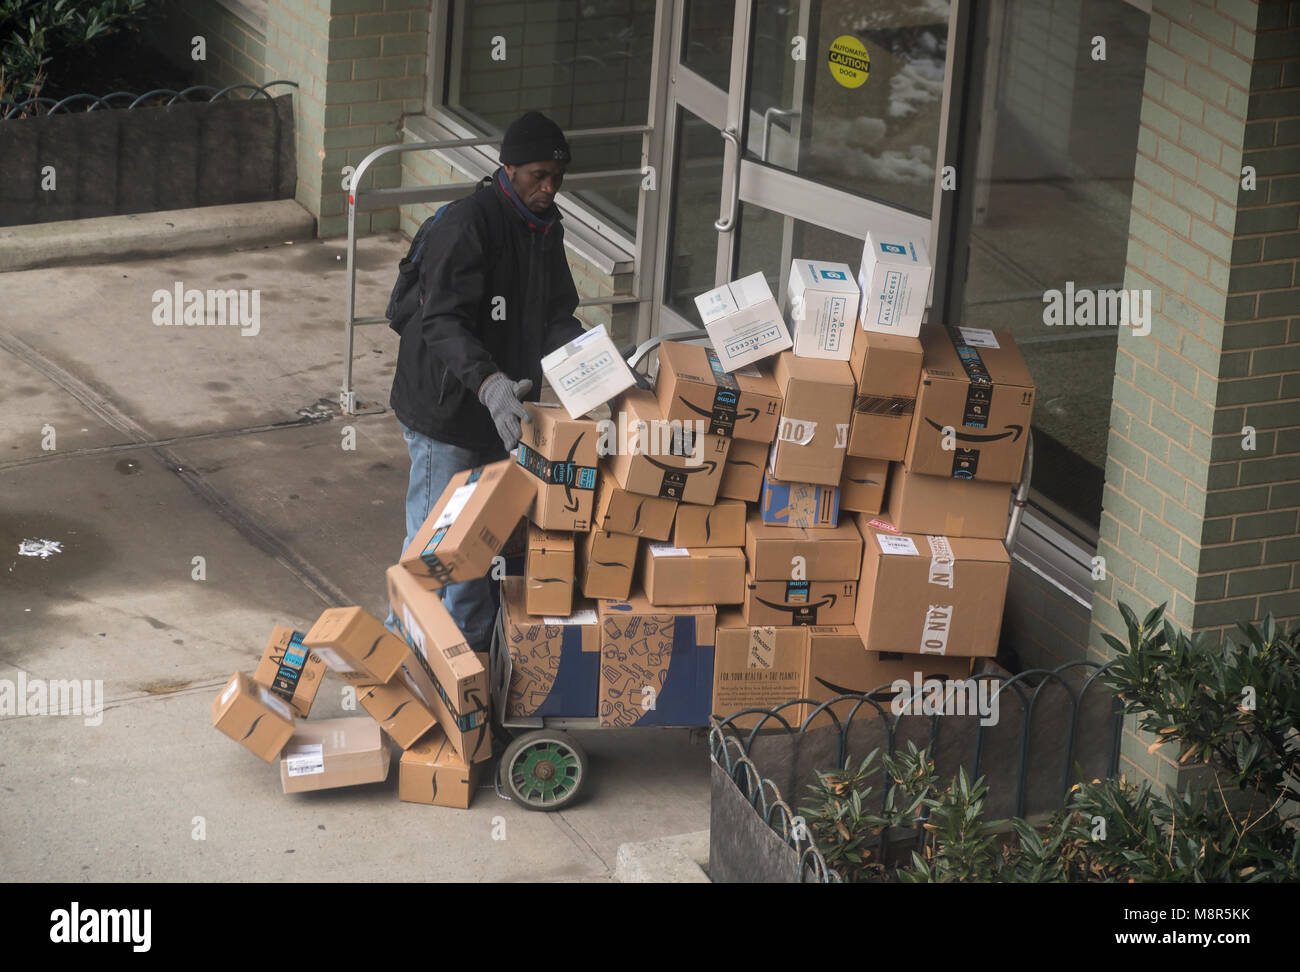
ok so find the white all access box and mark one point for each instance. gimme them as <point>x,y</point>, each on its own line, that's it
<point>743,321</point>
<point>895,279</point>
<point>823,308</point>
<point>587,372</point>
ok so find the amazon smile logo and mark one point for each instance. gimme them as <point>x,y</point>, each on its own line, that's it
<point>658,437</point>
<point>744,415</point>
<point>947,430</point>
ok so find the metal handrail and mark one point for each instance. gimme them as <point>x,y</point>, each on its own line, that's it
<point>8,109</point>
<point>774,112</point>
<point>726,225</point>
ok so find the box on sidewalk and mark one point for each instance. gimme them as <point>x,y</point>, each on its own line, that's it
<point>433,772</point>
<point>560,454</point>
<point>742,476</point>
<point>933,595</point>
<point>799,504</point>
<point>743,321</point>
<point>674,576</point>
<point>469,524</point>
<point>823,305</point>
<point>894,278</point>
<point>719,525</point>
<point>618,510</point>
<point>398,706</point>
<point>975,383</point>
<point>332,753</point>
<point>862,487</point>
<point>887,369</point>
<point>253,716</point>
<point>656,663</point>
<point>787,553</point>
<point>948,507</point>
<point>550,572</point>
<point>606,563</point>
<point>587,372</point>
<point>555,661</point>
<point>290,669</point>
<point>815,413</point>
<point>693,385</point>
<point>759,668</point>
<point>663,458</point>
<point>356,646</point>
<point>789,602</point>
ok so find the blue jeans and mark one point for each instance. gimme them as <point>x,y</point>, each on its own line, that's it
<point>433,463</point>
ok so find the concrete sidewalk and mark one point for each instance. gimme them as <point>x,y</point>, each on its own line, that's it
<point>172,443</point>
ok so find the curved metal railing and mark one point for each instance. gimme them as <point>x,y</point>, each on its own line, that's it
<point>24,109</point>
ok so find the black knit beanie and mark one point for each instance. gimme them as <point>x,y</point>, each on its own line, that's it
<point>532,137</point>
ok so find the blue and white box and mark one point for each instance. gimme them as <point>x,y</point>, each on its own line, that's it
<point>822,304</point>
<point>895,281</point>
<point>587,372</point>
<point>743,321</point>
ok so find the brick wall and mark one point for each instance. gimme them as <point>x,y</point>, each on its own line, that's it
<point>235,47</point>
<point>1043,43</point>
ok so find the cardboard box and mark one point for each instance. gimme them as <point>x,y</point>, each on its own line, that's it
<point>887,369</point>
<point>550,573</point>
<point>606,563</point>
<point>356,646</point>
<point>948,507</point>
<point>399,708</point>
<point>759,668</point>
<point>799,504</point>
<point>656,663</point>
<point>587,372</point>
<point>975,382</point>
<point>447,672</point>
<point>823,302</point>
<point>786,553</point>
<point>433,772</point>
<point>469,524</point>
<point>862,487</point>
<point>719,525</point>
<point>555,661</point>
<point>743,321</point>
<point>692,385</point>
<point>253,716</point>
<point>332,753</point>
<point>705,575</point>
<point>936,595</point>
<point>894,278</point>
<point>290,669</point>
<point>742,476</point>
<point>814,429</point>
<point>665,458</point>
<point>560,454</point>
<point>790,602</point>
<point>618,510</point>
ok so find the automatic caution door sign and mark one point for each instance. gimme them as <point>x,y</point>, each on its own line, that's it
<point>848,61</point>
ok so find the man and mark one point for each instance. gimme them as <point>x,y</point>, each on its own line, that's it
<point>497,295</point>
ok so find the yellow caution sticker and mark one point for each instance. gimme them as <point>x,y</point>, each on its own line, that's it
<point>848,61</point>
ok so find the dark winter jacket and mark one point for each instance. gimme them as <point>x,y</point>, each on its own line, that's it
<point>483,312</point>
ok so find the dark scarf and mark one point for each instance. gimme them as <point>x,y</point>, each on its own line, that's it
<point>534,221</point>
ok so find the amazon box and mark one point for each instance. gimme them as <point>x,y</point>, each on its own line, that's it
<point>692,384</point>
<point>823,302</point>
<point>587,372</point>
<point>448,673</point>
<point>975,382</point>
<point>606,563</point>
<point>759,668</point>
<point>742,476</point>
<point>814,428</point>
<point>554,661</point>
<point>618,510</point>
<point>433,772</point>
<point>656,666</point>
<point>331,753</point>
<point>356,646</point>
<point>469,524</point>
<point>894,278</point>
<point>820,553</point>
<point>948,507</point>
<point>560,454</point>
<point>887,369</point>
<point>668,458</point>
<point>862,487</point>
<point>253,716</point>
<point>399,707</point>
<point>743,321</point>
<point>290,669</point>
<point>799,504</point>
<point>719,525</point>
<point>799,602</point>
<point>937,595</point>
<point>706,575</point>
<point>549,577</point>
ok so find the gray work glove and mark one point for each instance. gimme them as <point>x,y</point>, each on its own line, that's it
<point>503,399</point>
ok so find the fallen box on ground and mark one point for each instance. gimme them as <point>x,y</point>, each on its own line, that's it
<point>554,661</point>
<point>719,525</point>
<point>823,304</point>
<point>787,553</point>
<point>948,507</point>
<point>887,369</point>
<point>606,563</point>
<point>663,458</point>
<point>674,576</point>
<point>290,669</point>
<point>560,454</point>
<point>862,487</point>
<point>791,602</point>
<point>814,429</point>
<point>743,321</point>
<point>432,772</point>
<point>742,476</point>
<point>618,510</point>
<point>799,504</point>
<point>759,668</point>
<point>332,753</point>
<point>693,385</point>
<point>253,717</point>
<point>587,372</point>
<point>469,524</point>
<point>894,278</point>
<point>550,572</point>
<point>399,707</point>
<point>356,646</point>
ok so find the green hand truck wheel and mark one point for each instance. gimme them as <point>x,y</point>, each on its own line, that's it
<point>543,770</point>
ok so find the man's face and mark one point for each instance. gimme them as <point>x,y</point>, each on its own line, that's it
<point>537,183</point>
